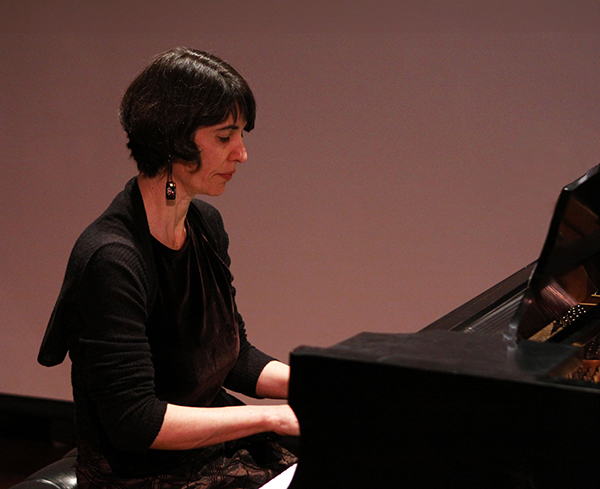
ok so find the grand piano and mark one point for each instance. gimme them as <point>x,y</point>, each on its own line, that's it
<point>503,392</point>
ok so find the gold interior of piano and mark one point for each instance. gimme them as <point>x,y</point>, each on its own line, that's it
<point>581,285</point>
<point>589,368</point>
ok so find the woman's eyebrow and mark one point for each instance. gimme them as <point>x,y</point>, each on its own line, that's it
<point>229,127</point>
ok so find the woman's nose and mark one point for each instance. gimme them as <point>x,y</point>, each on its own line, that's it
<point>239,154</point>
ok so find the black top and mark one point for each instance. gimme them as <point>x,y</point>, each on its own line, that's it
<point>192,327</point>
<point>106,318</point>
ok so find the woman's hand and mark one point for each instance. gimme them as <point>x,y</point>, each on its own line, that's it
<point>285,421</point>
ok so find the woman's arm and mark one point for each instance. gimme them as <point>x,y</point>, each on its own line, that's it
<point>185,428</point>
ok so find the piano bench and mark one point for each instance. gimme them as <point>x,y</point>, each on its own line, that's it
<point>57,475</point>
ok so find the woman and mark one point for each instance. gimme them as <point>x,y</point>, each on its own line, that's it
<point>147,310</point>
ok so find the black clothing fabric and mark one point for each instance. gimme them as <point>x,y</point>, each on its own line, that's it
<point>192,327</point>
<point>106,317</point>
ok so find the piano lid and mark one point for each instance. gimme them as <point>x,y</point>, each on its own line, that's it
<point>565,282</point>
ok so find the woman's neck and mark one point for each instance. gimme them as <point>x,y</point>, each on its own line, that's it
<point>166,218</point>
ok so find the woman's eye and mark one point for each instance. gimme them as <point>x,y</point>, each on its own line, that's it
<point>224,139</point>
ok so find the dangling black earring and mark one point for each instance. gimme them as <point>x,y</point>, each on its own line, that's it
<point>171,189</point>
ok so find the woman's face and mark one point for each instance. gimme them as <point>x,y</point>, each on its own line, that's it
<point>221,149</point>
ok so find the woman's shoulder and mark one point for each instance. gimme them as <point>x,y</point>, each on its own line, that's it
<point>103,238</point>
<point>122,225</point>
<point>119,237</point>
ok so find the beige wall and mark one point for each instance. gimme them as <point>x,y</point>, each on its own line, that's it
<point>407,154</point>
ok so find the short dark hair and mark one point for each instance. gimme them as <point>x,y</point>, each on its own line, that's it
<point>178,92</point>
